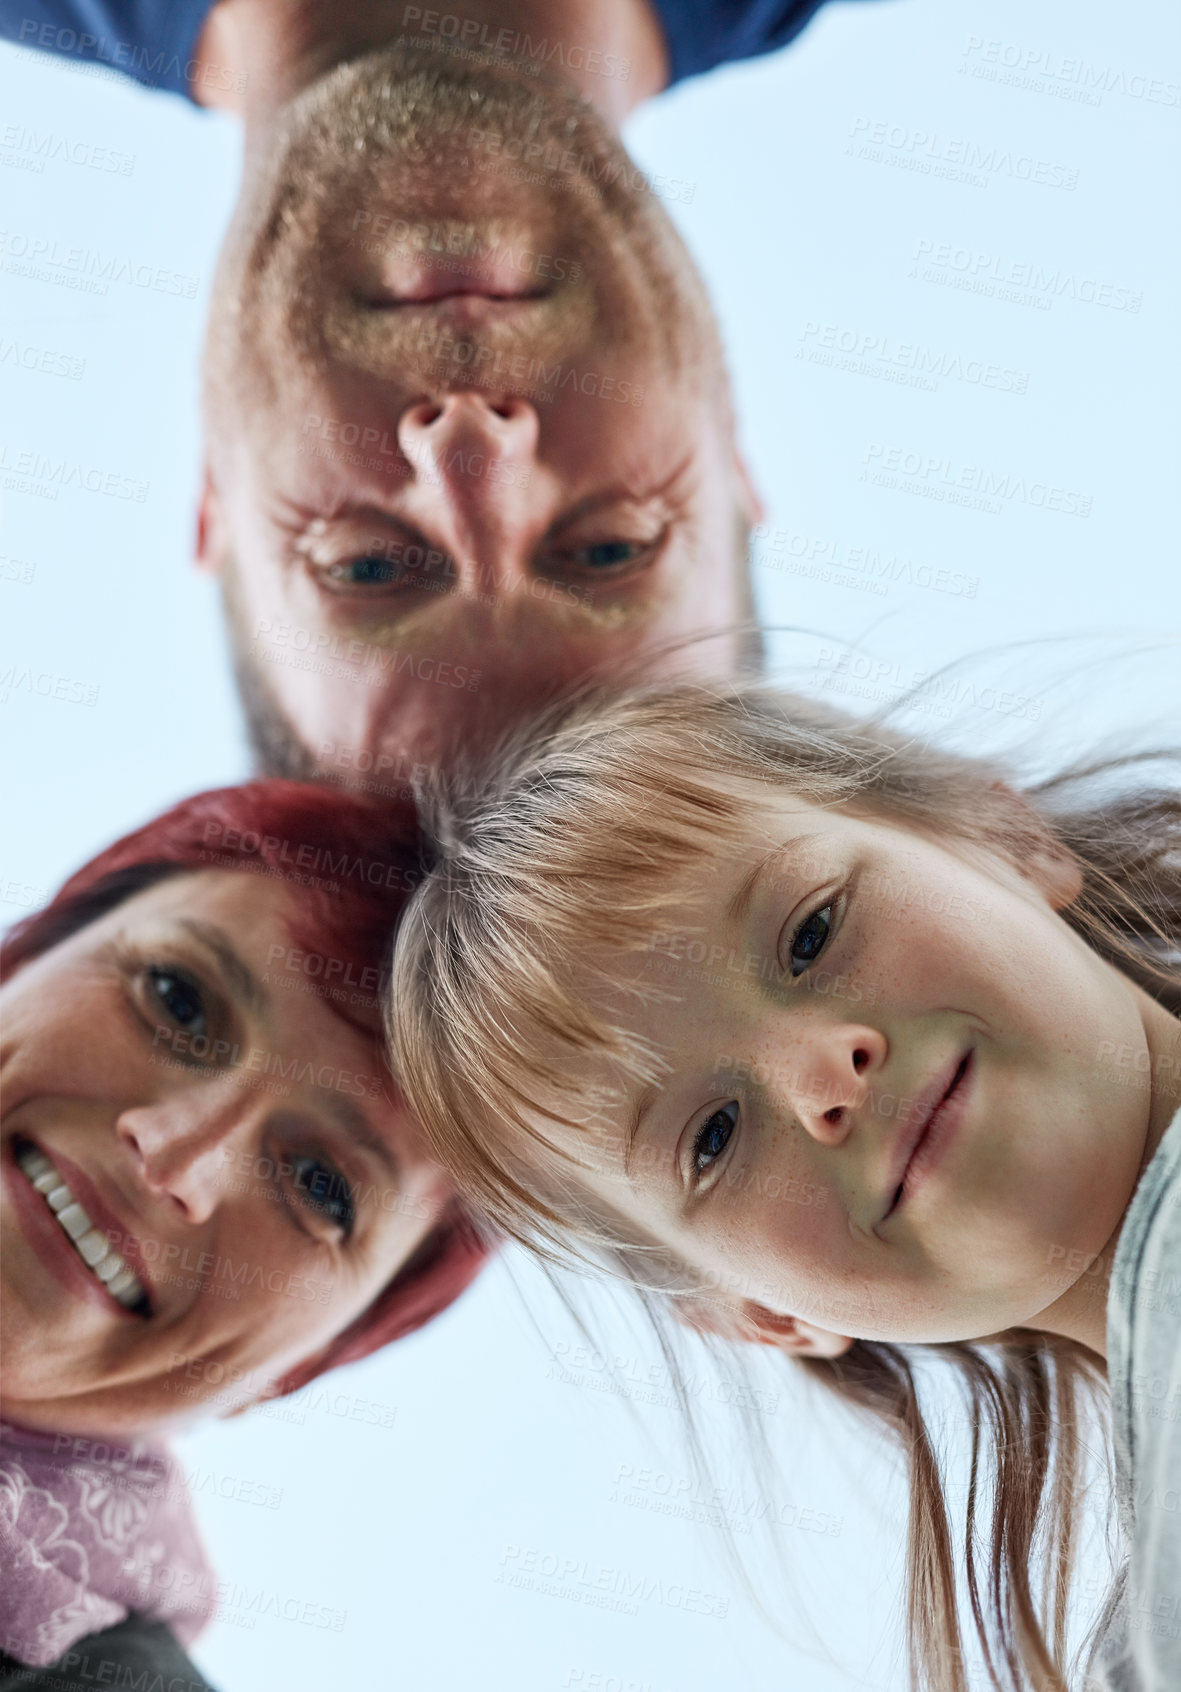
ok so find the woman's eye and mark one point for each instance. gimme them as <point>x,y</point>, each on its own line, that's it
<point>324,1190</point>
<point>180,999</point>
<point>810,939</point>
<point>714,1136</point>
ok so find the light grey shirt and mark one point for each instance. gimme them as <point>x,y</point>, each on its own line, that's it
<point>1139,1646</point>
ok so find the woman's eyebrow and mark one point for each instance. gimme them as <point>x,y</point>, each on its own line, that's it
<point>352,1121</point>
<point>237,973</point>
<point>357,1127</point>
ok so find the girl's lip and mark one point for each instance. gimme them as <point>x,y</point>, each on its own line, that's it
<point>49,1243</point>
<point>938,1112</point>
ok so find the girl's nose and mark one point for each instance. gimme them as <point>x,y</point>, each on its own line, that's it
<point>828,1076</point>
<point>182,1146</point>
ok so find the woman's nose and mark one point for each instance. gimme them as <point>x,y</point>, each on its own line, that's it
<point>182,1146</point>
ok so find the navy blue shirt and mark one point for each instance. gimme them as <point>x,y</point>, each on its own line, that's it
<point>154,40</point>
<point>702,34</point>
<point>150,40</point>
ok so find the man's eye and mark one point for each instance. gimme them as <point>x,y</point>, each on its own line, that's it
<point>400,568</point>
<point>179,998</point>
<point>714,1136</point>
<point>606,555</point>
<point>325,1191</point>
<point>810,939</point>
<point>364,572</point>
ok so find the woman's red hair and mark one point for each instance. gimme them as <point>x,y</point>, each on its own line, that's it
<point>354,865</point>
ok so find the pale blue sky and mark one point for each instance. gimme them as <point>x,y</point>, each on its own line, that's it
<point>941,279</point>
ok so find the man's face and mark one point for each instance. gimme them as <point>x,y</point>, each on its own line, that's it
<point>469,432</point>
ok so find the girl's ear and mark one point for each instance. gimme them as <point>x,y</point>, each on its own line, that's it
<point>790,1334</point>
<point>1036,852</point>
<point>754,1323</point>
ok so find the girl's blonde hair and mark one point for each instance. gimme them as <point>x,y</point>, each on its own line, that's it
<point>576,849</point>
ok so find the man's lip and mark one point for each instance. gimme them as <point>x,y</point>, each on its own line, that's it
<point>919,1118</point>
<point>461,309</point>
<point>101,1215</point>
<point>426,280</point>
<point>431,292</point>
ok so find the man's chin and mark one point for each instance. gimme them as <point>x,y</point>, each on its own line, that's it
<point>424,136</point>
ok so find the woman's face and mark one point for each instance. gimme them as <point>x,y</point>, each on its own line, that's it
<point>205,1176</point>
<point>840,988</point>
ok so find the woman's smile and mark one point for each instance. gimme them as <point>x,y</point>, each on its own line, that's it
<point>65,1241</point>
<point>88,1231</point>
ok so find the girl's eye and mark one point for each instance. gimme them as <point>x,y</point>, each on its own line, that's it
<point>714,1136</point>
<point>324,1190</point>
<point>180,998</point>
<point>810,939</point>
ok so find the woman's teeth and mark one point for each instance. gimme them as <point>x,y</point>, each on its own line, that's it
<point>99,1256</point>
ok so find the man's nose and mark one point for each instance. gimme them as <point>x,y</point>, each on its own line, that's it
<point>455,438</point>
<point>473,455</point>
<point>182,1145</point>
<point>827,1074</point>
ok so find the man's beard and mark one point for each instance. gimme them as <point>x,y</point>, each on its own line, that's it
<point>481,149</point>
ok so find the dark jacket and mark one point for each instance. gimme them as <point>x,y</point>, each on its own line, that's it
<point>137,1655</point>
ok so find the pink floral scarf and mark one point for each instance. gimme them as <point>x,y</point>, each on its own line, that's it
<point>89,1531</point>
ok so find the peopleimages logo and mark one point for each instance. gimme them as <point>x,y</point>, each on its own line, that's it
<point>137,61</point>
<point>39,149</point>
<point>862,350</point>
<point>474,36</point>
<point>883,141</point>
<point>42,471</point>
<point>779,549</point>
<point>44,361</point>
<point>937,474</point>
<point>303,856</point>
<point>48,260</point>
<point>584,1582</point>
<point>46,685</point>
<point>1045,70</point>
<point>984,272</point>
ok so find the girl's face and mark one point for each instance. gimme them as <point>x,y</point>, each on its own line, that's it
<point>204,1174</point>
<point>896,1105</point>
